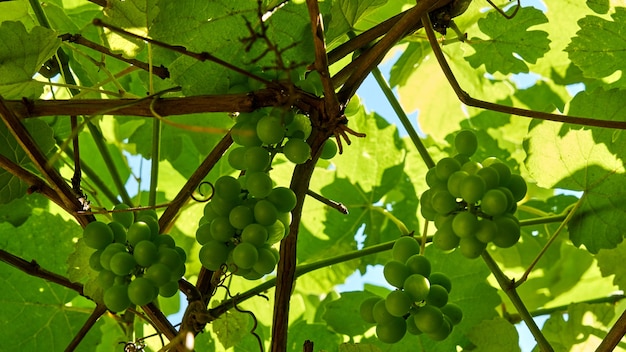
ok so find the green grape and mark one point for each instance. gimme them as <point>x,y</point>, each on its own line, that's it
<point>245,255</point>
<point>398,303</point>
<point>508,232</point>
<point>213,254</point>
<point>265,212</point>
<point>453,312</point>
<point>94,260</point>
<point>248,117</point>
<point>418,264</point>
<point>152,223</point>
<point>440,279</point>
<point>490,161</point>
<point>240,216</point>
<point>209,214</point>
<point>411,328</point>
<point>404,247</point>
<point>490,176</point>
<point>494,202</point>
<point>466,142</point>
<point>178,272</point>
<point>437,296</point>
<point>395,273</point>
<point>329,150</point>
<point>119,232</point>
<point>109,252</point>
<point>147,212</point>
<point>223,206</point>
<point>259,184</point>
<point>445,238</point>
<point>454,183</point>
<point>391,331</point>
<point>426,208</point>
<point>146,253</point>
<point>203,233</point>
<point>122,263</point>
<point>300,127</point>
<point>487,231</point>
<point>266,262</point>
<point>509,198</point>
<point>366,309</point>
<point>244,133</point>
<point>169,289</point>
<point>97,235</point>
<point>297,150</point>
<point>125,218</point>
<point>503,171</point>
<point>255,234</point>
<point>252,275</point>
<point>471,167</point>
<point>432,180</point>
<point>270,129</point>
<point>256,159</point>
<point>471,247</point>
<point>472,188</point>
<point>440,219</point>
<point>142,291</point>
<point>164,240</point>
<point>462,159</point>
<point>380,312</point>
<point>443,202</point>
<point>517,186</point>
<point>159,273</point>
<point>277,231</point>
<point>228,188</point>
<point>446,167</point>
<point>221,229</point>
<point>105,279</point>
<point>116,298</point>
<point>417,286</point>
<point>236,158</point>
<point>283,199</point>
<point>443,332</point>
<point>170,257</point>
<point>464,224</point>
<point>138,231</point>
<point>428,318</point>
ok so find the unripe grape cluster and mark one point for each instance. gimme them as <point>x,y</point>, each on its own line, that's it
<point>419,305</point>
<point>471,203</point>
<point>247,215</point>
<point>134,262</point>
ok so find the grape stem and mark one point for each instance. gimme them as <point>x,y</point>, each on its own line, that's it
<point>331,203</point>
<point>404,231</point>
<point>556,233</point>
<point>508,286</point>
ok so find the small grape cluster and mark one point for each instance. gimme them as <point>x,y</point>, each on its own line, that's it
<point>135,263</point>
<point>247,215</point>
<point>471,203</point>
<point>420,303</point>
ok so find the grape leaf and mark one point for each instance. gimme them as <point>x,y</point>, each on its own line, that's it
<point>231,327</point>
<point>21,55</point>
<point>410,58</point>
<point>322,338</point>
<point>610,262</point>
<point>597,48</point>
<point>358,347</point>
<point>583,330</point>
<point>343,314</point>
<point>590,160</point>
<point>12,187</point>
<point>345,14</point>
<point>511,44</point>
<point>482,335</point>
<point>36,315</point>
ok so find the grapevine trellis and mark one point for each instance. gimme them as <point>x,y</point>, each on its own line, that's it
<point>326,113</point>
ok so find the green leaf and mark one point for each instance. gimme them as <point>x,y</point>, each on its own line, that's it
<point>322,338</point>
<point>610,262</point>
<point>21,55</point>
<point>231,327</point>
<point>582,330</point>
<point>410,58</point>
<point>345,14</point>
<point>482,335</point>
<point>507,51</point>
<point>343,314</point>
<point>597,48</point>
<point>10,186</point>
<point>358,347</point>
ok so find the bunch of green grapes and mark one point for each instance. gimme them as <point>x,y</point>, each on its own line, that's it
<point>419,305</point>
<point>247,215</point>
<point>134,262</point>
<point>471,203</point>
